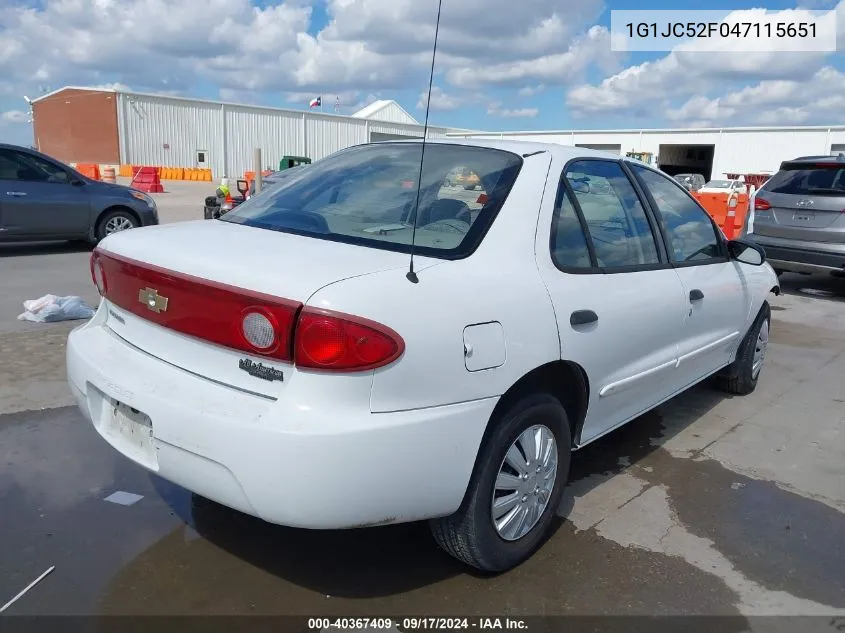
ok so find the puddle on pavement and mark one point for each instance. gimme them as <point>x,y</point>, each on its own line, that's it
<point>138,563</point>
<point>778,539</point>
<point>243,565</point>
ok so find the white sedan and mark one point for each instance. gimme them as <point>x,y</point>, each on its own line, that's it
<point>286,362</point>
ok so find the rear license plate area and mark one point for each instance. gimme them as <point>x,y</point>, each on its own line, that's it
<point>803,216</point>
<point>130,431</point>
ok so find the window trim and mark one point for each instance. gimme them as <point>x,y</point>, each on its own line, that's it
<point>664,262</point>
<point>721,240</point>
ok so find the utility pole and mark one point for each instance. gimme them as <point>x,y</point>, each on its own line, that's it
<point>258,169</point>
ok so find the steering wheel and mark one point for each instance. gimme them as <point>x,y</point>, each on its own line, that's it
<point>457,226</point>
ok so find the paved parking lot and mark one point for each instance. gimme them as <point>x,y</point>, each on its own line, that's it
<point>708,505</point>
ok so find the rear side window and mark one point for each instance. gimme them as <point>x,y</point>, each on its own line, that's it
<point>568,243</point>
<point>618,227</point>
<point>808,180</point>
<point>367,195</point>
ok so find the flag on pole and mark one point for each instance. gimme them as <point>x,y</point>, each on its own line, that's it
<point>337,105</point>
<point>316,102</point>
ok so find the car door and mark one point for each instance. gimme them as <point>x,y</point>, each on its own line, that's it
<point>38,199</point>
<point>717,293</point>
<point>619,304</point>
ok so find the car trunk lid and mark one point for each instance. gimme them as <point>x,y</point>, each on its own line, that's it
<point>166,283</point>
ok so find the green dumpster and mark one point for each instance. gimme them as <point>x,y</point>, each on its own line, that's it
<point>293,161</point>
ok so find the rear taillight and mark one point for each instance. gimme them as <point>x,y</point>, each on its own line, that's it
<point>226,315</point>
<point>340,342</point>
<point>761,205</point>
<point>98,274</point>
<point>245,320</point>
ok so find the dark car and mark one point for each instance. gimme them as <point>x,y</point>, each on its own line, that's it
<point>799,216</point>
<point>44,199</point>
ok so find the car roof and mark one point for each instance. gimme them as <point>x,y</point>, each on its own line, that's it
<point>523,148</point>
<point>826,158</point>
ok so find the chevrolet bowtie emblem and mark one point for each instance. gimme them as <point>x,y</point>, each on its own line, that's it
<point>154,301</point>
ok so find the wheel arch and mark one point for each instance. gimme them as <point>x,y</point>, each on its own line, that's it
<point>111,208</point>
<point>563,379</point>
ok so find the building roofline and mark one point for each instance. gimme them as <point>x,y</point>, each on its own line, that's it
<point>53,93</point>
<point>217,102</point>
<point>684,130</point>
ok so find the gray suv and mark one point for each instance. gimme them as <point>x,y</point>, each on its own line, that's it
<point>43,199</point>
<point>799,216</point>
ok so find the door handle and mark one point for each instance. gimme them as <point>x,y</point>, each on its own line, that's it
<point>17,194</point>
<point>583,317</point>
<point>696,295</point>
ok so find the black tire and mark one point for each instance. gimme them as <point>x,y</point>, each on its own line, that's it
<point>738,378</point>
<point>470,535</point>
<point>111,216</point>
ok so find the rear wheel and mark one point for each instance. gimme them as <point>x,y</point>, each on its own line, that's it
<point>741,376</point>
<point>515,489</point>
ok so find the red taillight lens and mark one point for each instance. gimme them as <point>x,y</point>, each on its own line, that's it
<point>98,274</point>
<point>226,315</point>
<point>761,205</point>
<point>331,341</point>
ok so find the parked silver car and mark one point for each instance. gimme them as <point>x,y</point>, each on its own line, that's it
<point>799,216</point>
<point>43,199</point>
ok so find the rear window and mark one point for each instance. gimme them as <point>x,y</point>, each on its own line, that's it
<point>366,195</point>
<point>808,180</point>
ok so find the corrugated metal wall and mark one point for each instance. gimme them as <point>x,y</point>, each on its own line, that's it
<point>170,131</point>
<point>393,113</point>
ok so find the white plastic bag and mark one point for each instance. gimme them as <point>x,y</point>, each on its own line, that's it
<point>50,308</point>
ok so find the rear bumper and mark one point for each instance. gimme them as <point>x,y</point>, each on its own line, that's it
<point>802,257</point>
<point>298,463</point>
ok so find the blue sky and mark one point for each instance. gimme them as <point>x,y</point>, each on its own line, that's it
<point>535,64</point>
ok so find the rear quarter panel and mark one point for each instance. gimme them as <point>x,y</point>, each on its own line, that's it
<point>498,283</point>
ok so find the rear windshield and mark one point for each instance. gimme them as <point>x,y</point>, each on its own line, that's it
<point>366,195</point>
<point>808,180</point>
<point>719,184</point>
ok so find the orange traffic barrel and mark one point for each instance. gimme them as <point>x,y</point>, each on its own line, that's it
<point>108,174</point>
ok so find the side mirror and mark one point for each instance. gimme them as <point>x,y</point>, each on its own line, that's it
<point>580,186</point>
<point>243,187</point>
<point>747,252</point>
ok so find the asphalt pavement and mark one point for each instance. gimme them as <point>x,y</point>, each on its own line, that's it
<point>709,505</point>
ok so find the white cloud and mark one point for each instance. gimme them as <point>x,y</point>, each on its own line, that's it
<point>440,100</point>
<point>13,117</point>
<point>688,73</point>
<point>496,109</point>
<point>368,46</point>
<point>818,98</point>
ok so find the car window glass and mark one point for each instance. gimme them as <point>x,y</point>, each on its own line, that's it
<point>616,220</point>
<point>568,242</point>
<point>688,227</point>
<point>54,173</point>
<point>25,167</point>
<point>367,195</point>
<point>804,180</point>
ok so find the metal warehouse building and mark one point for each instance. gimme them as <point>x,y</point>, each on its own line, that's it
<point>710,152</point>
<point>112,127</point>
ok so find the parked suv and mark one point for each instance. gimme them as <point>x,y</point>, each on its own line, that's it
<point>43,199</point>
<point>799,216</point>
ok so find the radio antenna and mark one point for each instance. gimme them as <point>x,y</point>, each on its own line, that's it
<point>412,276</point>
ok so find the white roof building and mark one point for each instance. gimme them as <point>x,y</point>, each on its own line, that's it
<point>386,110</point>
